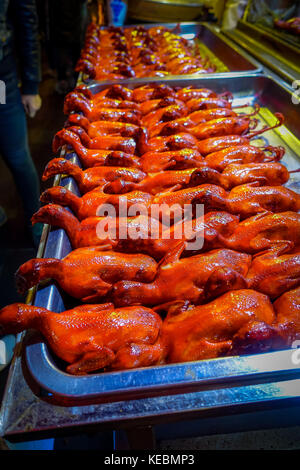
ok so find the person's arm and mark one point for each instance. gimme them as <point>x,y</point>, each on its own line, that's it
<point>25,21</point>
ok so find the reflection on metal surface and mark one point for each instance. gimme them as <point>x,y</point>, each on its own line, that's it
<point>275,53</point>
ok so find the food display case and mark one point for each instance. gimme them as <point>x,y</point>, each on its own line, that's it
<point>42,397</point>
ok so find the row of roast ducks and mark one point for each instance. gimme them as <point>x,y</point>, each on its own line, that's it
<point>115,53</point>
<point>150,301</point>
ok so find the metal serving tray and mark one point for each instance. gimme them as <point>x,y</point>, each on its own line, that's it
<point>226,56</point>
<point>45,373</point>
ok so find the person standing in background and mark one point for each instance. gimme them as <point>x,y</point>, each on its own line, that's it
<point>66,21</point>
<point>20,62</point>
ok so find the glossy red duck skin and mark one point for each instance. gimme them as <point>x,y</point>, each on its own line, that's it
<point>167,113</point>
<point>89,158</point>
<point>77,138</point>
<point>153,162</point>
<point>196,279</point>
<point>75,101</point>
<point>192,333</point>
<point>287,308</point>
<point>264,231</point>
<point>94,202</point>
<point>216,142</point>
<point>244,200</point>
<point>273,273</point>
<point>106,107</point>
<point>196,104</point>
<point>235,174</point>
<point>221,127</point>
<point>91,178</point>
<point>153,183</point>
<point>207,228</point>
<point>152,92</point>
<point>86,273</point>
<point>280,335</point>
<point>212,196</point>
<point>188,93</point>
<point>182,124</point>
<point>92,337</point>
<point>150,106</point>
<point>103,142</point>
<point>88,232</point>
<point>174,142</point>
<point>98,128</point>
<point>243,154</point>
<point>116,91</point>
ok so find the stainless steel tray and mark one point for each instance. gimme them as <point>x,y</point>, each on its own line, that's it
<point>44,372</point>
<point>226,56</point>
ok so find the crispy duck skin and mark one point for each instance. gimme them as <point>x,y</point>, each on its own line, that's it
<point>180,141</point>
<point>188,93</point>
<point>264,231</point>
<point>116,91</point>
<point>92,337</point>
<point>191,333</point>
<point>243,154</point>
<point>86,273</point>
<point>287,308</point>
<point>88,233</point>
<point>207,228</point>
<point>126,111</point>
<point>235,174</point>
<point>92,203</point>
<point>165,114</point>
<point>270,174</point>
<point>244,200</point>
<point>259,336</point>
<point>152,92</point>
<point>77,102</point>
<point>197,104</point>
<point>91,178</point>
<point>182,124</point>
<point>103,142</point>
<point>196,279</point>
<point>151,106</point>
<point>114,142</point>
<point>99,128</point>
<point>274,273</point>
<point>153,183</point>
<point>153,162</point>
<point>87,157</point>
<point>223,140</point>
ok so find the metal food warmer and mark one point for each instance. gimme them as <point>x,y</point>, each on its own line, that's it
<point>41,399</point>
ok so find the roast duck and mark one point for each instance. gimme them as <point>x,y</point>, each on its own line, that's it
<point>118,53</point>
<point>151,289</point>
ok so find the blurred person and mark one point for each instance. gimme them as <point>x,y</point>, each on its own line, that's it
<point>20,61</point>
<point>66,21</point>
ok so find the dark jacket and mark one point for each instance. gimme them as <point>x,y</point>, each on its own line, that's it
<point>19,36</point>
